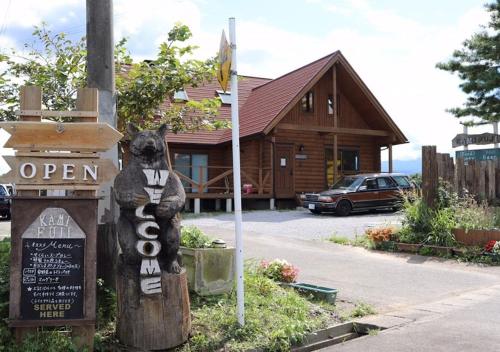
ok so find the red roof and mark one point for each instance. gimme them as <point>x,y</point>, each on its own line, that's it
<point>209,90</point>
<point>262,100</point>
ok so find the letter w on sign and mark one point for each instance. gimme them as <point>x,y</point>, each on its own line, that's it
<point>156,177</point>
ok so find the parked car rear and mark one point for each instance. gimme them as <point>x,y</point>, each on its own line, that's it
<point>360,192</point>
<point>5,201</point>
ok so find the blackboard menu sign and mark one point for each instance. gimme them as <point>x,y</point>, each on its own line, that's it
<point>53,253</point>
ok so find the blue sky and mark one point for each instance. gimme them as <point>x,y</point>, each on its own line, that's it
<point>393,44</point>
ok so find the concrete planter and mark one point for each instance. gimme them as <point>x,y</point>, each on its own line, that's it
<point>475,237</point>
<point>408,247</point>
<point>210,271</point>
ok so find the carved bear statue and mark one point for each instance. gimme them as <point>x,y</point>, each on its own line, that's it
<point>150,197</point>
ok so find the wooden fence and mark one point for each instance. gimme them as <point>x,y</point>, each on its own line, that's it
<point>478,178</point>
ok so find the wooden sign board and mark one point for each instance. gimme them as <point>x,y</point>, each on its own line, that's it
<point>53,262</point>
<point>26,170</point>
<point>52,269</point>
<point>77,136</point>
<point>480,139</point>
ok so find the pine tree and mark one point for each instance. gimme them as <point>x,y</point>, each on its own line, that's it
<point>477,63</point>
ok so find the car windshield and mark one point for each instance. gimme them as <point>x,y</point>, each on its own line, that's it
<point>349,182</point>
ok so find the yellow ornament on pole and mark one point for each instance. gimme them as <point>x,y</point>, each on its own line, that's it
<point>224,69</point>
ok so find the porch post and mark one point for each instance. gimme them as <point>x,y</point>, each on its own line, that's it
<point>390,157</point>
<point>335,122</point>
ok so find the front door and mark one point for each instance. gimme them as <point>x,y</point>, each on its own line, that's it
<point>283,171</point>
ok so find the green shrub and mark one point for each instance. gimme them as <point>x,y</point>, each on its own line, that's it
<point>193,237</point>
<point>441,223</point>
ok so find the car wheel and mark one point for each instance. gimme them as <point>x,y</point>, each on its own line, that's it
<point>7,216</point>
<point>343,208</point>
<point>315,212</point>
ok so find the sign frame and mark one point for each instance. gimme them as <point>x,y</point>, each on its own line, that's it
<point>25,210</point>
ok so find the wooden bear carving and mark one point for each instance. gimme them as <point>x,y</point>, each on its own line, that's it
<point>150,197</point>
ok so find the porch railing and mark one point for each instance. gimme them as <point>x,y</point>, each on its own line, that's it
<point>219,179</point>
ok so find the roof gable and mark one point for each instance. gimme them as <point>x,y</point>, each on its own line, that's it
<point>263,103</point>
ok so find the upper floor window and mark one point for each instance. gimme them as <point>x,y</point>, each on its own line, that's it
<point>225,97</point>
<point>181,95</point>
<point>330,104</point>
<point>307,102</point>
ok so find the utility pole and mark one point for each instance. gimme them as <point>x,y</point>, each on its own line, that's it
<point>101,75</point>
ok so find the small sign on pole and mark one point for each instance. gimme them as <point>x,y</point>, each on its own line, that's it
<point>224,69</point>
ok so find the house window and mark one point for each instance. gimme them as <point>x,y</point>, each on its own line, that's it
<point>194,166</point>
<point>180,95</point>
<point>347,162</point>
<point>330,104</point>
<point>307,102</point>
<point>225,97</point>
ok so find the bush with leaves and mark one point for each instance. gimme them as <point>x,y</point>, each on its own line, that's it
<point>193,237</point>
<point>58,65</point>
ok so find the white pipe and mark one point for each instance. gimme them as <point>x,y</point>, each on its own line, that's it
<point>240,295</point>
<point>495,131</point>
<point>466,130</point>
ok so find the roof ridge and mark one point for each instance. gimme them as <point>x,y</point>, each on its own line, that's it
<point>297,69</point>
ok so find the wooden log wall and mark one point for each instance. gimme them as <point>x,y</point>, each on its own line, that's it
<point>480,179</point>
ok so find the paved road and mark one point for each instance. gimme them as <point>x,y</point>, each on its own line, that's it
<point>467,323</point>
<point>299,223</point>
<point>429,304</point>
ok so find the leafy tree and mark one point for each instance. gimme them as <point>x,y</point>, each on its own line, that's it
<point>477,63</point>
<point>58,65</point>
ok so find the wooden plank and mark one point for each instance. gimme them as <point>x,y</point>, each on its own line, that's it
<point>334,130</point>
<point>30,99</point>
<point>80,136</point>
<point>218,178</point>
<point>491,185</point>
<point>55,113</point>
<point>390,157</point>
<point>56,187</point>
<point>58,171</point>
<point>429,175</point>
<point>75,155</point>
<point>87,100</point>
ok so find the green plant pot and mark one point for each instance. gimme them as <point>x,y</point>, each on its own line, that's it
<point>321,293</point>
<point>210,271</point>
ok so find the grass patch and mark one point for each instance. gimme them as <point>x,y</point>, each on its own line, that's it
<point>275,318</point>
<point>360,310</point>
<point>340,240</point>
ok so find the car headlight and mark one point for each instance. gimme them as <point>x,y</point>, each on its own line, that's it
<point>325,199</point>
<point>302,196</point>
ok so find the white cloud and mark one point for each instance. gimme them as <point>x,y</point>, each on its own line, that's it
<point>27,13</point>
<point>396,58</point>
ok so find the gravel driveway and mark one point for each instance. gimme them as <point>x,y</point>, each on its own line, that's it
<point>298,223</point>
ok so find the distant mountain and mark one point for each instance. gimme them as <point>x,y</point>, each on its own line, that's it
<point>405,166</point>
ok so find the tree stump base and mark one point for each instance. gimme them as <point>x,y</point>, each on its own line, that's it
<point>152,322</point>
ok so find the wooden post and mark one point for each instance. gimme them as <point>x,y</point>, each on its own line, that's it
<point>481,182</point>
<point>335,122</point>
<point>261,184</point>
<point>30,99</point>
<point>491,192</point>
<point>87,99</point>
<point>390,158</point>
<point>429,175</point>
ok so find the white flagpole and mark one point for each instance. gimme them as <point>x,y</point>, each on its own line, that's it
<point>240,295</point>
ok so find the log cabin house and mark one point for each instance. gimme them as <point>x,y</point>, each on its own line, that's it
<point>292,129</point>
